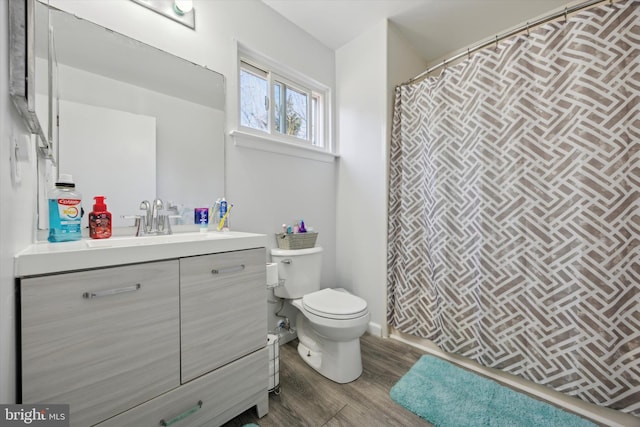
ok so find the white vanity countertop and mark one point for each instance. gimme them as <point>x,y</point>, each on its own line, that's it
<point>45,258</point>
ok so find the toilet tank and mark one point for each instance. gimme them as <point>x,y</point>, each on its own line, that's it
<point>300,269</point>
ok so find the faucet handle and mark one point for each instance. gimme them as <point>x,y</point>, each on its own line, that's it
<point>164,223</point>
<point>134,217</point>
<point>139,223</point>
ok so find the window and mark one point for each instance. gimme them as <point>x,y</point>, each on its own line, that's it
<point>254,98</point>
<point>283,108</point>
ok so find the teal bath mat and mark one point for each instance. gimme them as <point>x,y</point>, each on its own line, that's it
<point>449,396</point>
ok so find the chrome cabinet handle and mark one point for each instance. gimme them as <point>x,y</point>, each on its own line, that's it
<point>88,295</point>
<point>182,416</point>
<point>228,269</point>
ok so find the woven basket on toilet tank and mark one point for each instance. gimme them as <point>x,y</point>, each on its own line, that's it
<point>296,240</point>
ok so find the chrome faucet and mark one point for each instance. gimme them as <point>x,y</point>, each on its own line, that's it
<point>154,220</point>
<point>157,220</point>
<point>146,219</point>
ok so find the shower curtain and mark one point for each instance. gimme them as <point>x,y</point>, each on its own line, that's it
<point>514,207</point>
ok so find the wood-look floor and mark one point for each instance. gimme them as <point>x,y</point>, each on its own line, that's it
<point>308,399</point>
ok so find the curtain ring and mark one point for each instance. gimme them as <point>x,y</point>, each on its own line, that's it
<point>528,29</point>
<point>468,54</point>
<point>496,42</point>
<point>566,11</point>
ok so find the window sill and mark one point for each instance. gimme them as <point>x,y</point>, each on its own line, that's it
<point>265,143</point>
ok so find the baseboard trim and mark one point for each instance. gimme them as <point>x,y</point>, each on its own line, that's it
<point>374,329</point>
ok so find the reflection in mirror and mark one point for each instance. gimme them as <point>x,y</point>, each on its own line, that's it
<point>135,122</point>
<point>45,77</point>
<point>28,23</point>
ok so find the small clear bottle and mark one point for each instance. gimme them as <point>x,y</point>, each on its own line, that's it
<point>65,211</point>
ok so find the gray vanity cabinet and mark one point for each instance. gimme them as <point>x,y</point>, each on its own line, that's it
<point>100,340</point>
<point>223,313</point>
<point>180,342</point>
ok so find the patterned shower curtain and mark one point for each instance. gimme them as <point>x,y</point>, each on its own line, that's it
<point>514,207</point>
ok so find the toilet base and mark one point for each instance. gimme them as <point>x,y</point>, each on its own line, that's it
<point>340,361</point>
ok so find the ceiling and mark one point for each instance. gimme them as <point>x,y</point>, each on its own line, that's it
<point>435,28</point>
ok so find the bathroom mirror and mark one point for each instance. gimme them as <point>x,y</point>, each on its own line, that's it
<point>27,23</point>
<point>135,122</point>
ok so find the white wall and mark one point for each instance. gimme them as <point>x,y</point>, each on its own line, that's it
<point>362,178</point>
<point>17,211</point>
<point>403,63</point>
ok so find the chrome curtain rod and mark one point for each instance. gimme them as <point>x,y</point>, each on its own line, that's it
<point>498,38</point>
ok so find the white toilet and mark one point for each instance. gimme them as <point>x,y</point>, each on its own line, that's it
<point>330,322</point>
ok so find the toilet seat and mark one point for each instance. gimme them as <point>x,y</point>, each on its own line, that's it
<point>334,304</point>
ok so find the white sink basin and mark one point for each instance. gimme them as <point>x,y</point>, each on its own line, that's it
<point>154,240</point>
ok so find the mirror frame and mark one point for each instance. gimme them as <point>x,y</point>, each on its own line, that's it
<point>22,59</point>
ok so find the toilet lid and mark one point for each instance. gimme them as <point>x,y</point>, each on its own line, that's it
<point>334,304</point>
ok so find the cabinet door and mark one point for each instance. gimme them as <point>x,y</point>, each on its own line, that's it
<point>223,309</point>
<point>102,340</point>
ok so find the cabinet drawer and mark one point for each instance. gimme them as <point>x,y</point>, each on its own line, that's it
<point>223,313</point>
<point>101,341</point>
<point>222,394</point>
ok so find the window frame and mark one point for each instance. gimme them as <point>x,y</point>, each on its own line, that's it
<point>318,129</point>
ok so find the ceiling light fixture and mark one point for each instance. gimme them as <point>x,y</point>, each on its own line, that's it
<point>182,6</point>
<point>178,10</point>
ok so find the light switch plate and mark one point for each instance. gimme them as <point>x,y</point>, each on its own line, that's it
<point>14,157</point>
